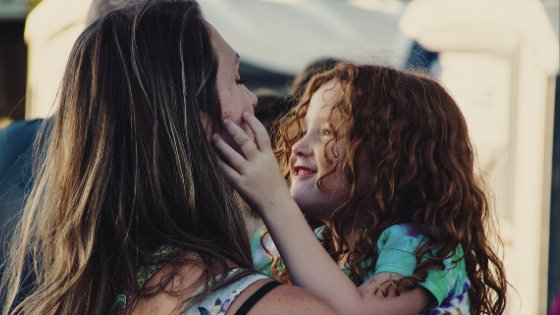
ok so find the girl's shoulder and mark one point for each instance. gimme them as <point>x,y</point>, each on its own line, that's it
<point>407,231</point>
<point>406,238</point>
<point>397,246</point>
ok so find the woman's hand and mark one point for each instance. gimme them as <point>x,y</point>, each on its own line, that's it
<point>254,171</point>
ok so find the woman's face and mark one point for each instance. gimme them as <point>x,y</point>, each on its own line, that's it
<point>315,155</point>
<point>235,98</point>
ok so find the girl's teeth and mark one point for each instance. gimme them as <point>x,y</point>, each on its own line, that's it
<point>304,172</point>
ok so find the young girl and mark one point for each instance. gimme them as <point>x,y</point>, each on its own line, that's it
<point>382,159</point>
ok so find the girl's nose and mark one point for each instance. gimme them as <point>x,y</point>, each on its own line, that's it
<point>302,147</point>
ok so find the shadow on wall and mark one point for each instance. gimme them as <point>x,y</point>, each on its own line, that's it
<point>13,70</point>
<point>554,246</point>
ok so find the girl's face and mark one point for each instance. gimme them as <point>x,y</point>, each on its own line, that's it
<point>235,98</point>
<point>316,154</point>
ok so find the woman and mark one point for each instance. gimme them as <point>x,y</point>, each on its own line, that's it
<point>130,212</point>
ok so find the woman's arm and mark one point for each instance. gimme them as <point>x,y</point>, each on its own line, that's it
<point>256,175</point>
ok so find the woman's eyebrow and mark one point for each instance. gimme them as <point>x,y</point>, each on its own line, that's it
<point>236,61</point>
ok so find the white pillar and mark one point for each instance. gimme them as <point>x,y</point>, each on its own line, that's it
<point>50,31</point>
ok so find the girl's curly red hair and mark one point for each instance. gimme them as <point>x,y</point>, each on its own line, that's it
<point>408,140</point>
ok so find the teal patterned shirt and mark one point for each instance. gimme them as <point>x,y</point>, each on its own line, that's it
<point>396,254</point>
<point>397,246</point>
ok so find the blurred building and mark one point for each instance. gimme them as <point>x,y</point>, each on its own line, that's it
<point>276,39</point>
<point>13,59</point>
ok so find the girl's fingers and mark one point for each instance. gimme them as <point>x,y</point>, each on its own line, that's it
<point>232,157</point>
<point>231,174</point>
<point>261,135</point>
<point>248,147</point>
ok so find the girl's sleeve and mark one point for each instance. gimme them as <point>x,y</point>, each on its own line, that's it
<point>397,246</point>
<point>263,255</point>
<point>263,250</point>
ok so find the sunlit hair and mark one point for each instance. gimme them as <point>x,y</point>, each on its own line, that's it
<point>408,160</point>
<point>128,167</point>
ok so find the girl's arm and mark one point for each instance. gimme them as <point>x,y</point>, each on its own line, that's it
<point>255,174</point>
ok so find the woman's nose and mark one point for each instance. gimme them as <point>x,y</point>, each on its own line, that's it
<point>252,98</point>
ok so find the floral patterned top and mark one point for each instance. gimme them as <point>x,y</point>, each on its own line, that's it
<point>396,247</point>
<point>215,303</point>
<point>219,301</point>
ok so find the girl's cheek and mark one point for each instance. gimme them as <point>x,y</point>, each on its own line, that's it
<point>333,151</point>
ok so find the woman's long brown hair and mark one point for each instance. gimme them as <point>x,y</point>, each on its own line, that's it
<point>127,167</point>
<point>408,141</point>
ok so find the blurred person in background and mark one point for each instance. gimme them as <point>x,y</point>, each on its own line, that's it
<point>272,106</point>
<point>297,87</point>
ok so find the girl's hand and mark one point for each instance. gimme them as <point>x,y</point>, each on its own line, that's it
<point>254,172</point>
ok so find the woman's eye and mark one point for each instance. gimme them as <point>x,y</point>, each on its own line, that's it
<point>240,81</point>
<point>326,132</point>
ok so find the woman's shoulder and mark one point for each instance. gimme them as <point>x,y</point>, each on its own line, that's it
<point>249,291</point>
<point>289,299</point>
<point>282,299</point>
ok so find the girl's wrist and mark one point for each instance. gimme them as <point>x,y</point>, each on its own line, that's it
<point>280,210</point>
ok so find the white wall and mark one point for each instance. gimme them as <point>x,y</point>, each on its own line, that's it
<point>497,59</point>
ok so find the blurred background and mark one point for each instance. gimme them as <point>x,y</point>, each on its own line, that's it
<point>498,58</point>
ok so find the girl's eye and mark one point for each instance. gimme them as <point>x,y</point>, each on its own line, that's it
<point>326,132</point>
